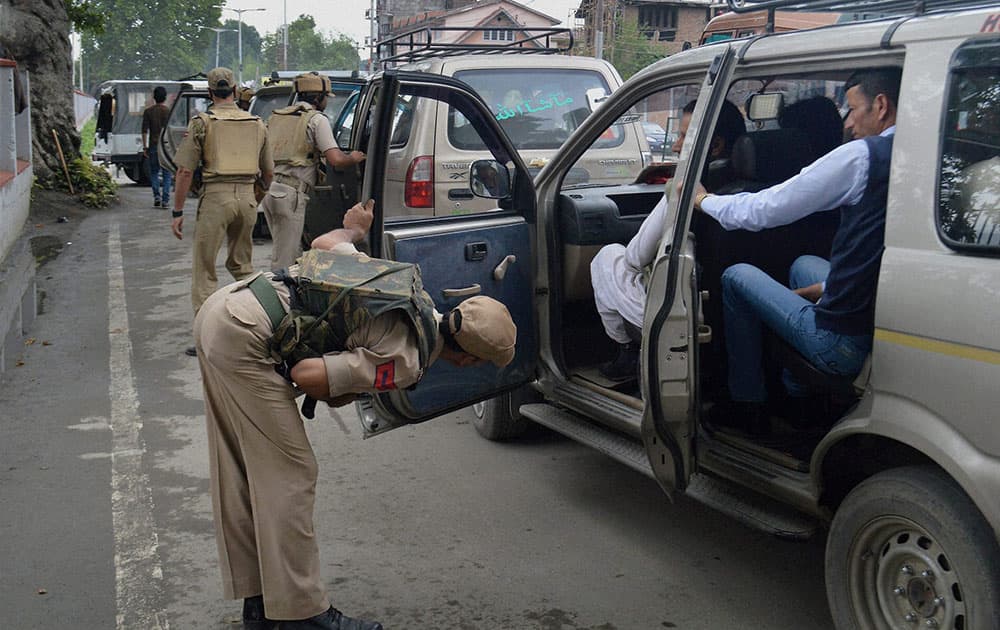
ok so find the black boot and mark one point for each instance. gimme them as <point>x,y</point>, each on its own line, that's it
<point>625,366</point>
<point>253,615</point>
<point>332,619</point>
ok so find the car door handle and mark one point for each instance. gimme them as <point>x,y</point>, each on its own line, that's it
<point>501,269</point>
<point>466,292</point>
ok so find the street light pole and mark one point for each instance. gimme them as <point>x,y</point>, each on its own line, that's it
<point>218,31</point>
<point>239,13</point>
<point>284,36</point>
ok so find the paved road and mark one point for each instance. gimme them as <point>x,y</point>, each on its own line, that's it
<point>106,520</point>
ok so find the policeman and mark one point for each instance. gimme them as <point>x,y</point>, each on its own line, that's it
<point>231,147</point>
<point>243,96</point>
<point>263,470</point>
<point>300,135</point>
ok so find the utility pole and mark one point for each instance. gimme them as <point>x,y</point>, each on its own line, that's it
<point>239,13</point>
<point>599,29</point>
<point>372,57</point>
<point>284,37</point>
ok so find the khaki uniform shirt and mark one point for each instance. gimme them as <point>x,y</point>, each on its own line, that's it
<point>189,154</point>
<point>379,356</point>
<point>319,135</point>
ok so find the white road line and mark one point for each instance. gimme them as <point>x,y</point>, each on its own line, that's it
<point>138,576</point>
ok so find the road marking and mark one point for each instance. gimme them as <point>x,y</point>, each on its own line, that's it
<point>138,576</point>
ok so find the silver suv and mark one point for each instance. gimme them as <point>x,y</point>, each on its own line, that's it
<point>899,470</point>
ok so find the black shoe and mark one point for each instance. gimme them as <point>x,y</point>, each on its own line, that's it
<point>157,203</point>
<point>332,619</point>
<point>191,352</point>
<point>253,615</point>
<point>625,366</point>
<point>744,417</point>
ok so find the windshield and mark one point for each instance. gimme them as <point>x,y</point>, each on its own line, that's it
<point>537,108</point>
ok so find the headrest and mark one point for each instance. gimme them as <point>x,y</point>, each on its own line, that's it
<point>771,156</point>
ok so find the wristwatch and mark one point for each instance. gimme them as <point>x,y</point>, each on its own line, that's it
<point>700,197</point>
<point>177,213</point>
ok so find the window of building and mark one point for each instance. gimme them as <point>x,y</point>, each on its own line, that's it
<point>968,213</point>
<point>658,20</point>
<point>499,35</point>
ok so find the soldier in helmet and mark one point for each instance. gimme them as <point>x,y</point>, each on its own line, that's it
<point>243,96</point>
<point>254,340</point>
<point>231,148</point>
<point>300,135</point>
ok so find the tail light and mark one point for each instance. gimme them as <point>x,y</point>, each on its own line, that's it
<point>419,189</point>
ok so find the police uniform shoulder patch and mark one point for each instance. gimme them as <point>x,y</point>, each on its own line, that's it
<point>385,376</point>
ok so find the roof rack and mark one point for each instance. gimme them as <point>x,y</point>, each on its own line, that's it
<point>420,44</point>
<point>889,8</point>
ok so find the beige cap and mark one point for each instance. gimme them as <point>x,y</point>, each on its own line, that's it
<point>484,329</point>
<point>244,94</point>
<point>220,78</point>
<point>311,82</point>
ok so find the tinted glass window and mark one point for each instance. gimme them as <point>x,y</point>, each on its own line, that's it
<point>969,188</point>
<point>264,104</point>
<point>537,108</point>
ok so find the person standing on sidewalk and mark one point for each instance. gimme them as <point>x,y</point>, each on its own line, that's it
<point>154,119</point>
<point>300,135</point>
<point>231,147</point>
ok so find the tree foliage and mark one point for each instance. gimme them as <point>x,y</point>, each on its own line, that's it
<point>84,16</point>
<point>632,50</point>
<point>148,39</point>
<point>229,49</point>
<point>309,48</point>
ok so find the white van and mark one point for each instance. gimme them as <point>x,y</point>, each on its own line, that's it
<point>118,137</point>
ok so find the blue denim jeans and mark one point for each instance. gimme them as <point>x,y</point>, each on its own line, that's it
<point>155,172</point>
<point>751,299</point>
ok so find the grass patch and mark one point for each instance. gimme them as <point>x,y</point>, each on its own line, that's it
<point>87,137</point>
<point>93,184</point>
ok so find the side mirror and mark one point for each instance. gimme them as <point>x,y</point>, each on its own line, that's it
<point>489,179</point>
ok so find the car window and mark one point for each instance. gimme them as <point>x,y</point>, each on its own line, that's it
<point>655,113</point>
<point>538,108</point>
<point>132,100</point>
<point>265,103</point>
<point>968,214</point>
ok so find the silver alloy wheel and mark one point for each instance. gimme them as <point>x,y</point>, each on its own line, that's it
<point>900,577</point>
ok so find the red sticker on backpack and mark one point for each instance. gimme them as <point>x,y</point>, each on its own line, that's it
<point>385,376</point>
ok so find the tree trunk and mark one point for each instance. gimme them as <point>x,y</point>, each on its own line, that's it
<point>36,33</point>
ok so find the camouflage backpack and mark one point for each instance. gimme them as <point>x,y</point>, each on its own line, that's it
<point>337,293</point>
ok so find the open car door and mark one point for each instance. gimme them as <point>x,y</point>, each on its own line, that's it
<point>669,359</point>
<point>187,105</point>
<point>489,253</point>
<point>338,189</point>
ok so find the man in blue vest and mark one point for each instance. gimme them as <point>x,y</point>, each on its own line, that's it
<point>828,313</point>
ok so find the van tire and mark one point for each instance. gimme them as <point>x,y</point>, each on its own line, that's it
<point>892,528</point>
<point>495,419</point>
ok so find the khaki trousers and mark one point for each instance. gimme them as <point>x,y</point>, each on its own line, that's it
<point>285,210</point>
<point>263,471</point>
<point>225,212</point>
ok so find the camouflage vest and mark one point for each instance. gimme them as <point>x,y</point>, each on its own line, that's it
<point>338,293</point>
<point>287,131</point>
<point>233,139</point>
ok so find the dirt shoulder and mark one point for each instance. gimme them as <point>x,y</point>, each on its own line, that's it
<point>52,220</point>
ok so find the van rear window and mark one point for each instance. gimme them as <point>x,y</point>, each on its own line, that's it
<point>968,214</point>
<point>537,108</point>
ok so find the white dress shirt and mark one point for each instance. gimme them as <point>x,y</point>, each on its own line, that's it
<point>838,178</point>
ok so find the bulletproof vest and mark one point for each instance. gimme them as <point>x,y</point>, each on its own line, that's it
<point>335,294</point>
<point>287,130</point>
<point>233,139</point>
